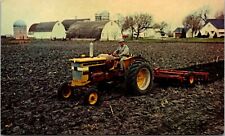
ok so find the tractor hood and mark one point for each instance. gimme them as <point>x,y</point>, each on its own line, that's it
<point>82,60</point>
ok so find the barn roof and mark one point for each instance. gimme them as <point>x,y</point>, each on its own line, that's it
<point>90,29</point>
<point>33,27</point>
<point>68,22</point>
<point>218,23</point>
<point>42,27</point>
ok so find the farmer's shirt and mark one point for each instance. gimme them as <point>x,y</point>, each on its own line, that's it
<point>123,51</point>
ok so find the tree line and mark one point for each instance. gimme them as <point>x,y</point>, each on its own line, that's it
<point>137,23</point>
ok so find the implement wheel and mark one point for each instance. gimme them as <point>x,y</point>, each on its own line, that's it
<point>190,81</point>
<point>139,78</point>
<point>91,97</point>
<point>65,91</point>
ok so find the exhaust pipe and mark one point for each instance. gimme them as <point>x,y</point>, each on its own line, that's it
<point>91,50</point>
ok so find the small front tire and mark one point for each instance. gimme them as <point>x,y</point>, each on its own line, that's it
<point>92,97</point>
<point>65,91</point>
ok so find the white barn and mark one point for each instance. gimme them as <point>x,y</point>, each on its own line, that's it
<point>47,30</point>
<point>98,30</point>
<point>20,30</point>
<point>213,28</point>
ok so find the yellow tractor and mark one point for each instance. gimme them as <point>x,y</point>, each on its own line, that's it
<point>89,73</point>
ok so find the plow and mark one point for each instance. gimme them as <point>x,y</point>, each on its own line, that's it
<point>91,73</point>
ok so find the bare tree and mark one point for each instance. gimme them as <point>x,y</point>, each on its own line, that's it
<point>203,13</point>
<point>160,26</point>
<point>196,20</point>
<point>142,22</point>
<point>137,23</point>
<point>193,22</point>
<point>219,15</point>
<point>120,20</point>
<point>129,24</point>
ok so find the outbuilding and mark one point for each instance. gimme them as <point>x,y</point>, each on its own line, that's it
<point>98,30</point>
<point>181,32</point>
<point>213,28</point>
<point>20,29</point>
<point>47,30</point>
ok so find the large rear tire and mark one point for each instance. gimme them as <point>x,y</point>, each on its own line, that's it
<point>139,78</point>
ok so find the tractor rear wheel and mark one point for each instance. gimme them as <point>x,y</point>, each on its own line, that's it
<point>65,91</point>
<point>139,78</point>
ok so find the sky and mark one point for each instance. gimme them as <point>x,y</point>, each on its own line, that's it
<point>34,11</point>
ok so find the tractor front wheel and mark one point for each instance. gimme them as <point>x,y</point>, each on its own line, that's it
<point>65,91</point>
<point>92,97</point>
<point>139,78</point>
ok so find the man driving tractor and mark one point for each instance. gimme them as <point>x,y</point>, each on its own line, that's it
<point>122,51</point>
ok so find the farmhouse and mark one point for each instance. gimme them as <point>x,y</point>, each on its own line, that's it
<point>47,30</point>
<point>149,33</point>
<point>153,33</point>
<point>98,30</point>
<point>181,32</point>
<point>68,22</point>
<point>20,30</point>
<point>213,28</point>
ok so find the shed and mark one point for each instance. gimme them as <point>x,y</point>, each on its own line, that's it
<point>47,30</point>
<point>213,28</point>
<point>99,30</point>
<point>20,29</point>
<point>179,32</point>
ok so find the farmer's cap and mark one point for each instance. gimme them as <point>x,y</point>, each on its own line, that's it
<point>121,40</point>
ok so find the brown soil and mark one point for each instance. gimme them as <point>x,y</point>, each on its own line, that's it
<point>32,73</point>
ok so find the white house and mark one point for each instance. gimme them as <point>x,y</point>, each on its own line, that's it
<point>151,33</point>
<point>47,30</point>
<point>20,30</point>
<point>181,32</point>
<point>98,30</point>
<point>213,28</point>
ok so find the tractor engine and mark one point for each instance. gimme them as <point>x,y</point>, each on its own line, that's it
<point>85,70</point>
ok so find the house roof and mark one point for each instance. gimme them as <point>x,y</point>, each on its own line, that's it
<point>90,29</point>
<point>218,23</point>
<point>68,22</point>
<point>180,29</point>
<point>42,27</point>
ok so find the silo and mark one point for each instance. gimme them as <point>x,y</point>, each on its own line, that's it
<point>20,29</point>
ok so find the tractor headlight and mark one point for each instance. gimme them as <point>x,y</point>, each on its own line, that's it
<point>72,67</point>
<point>82,69</point>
